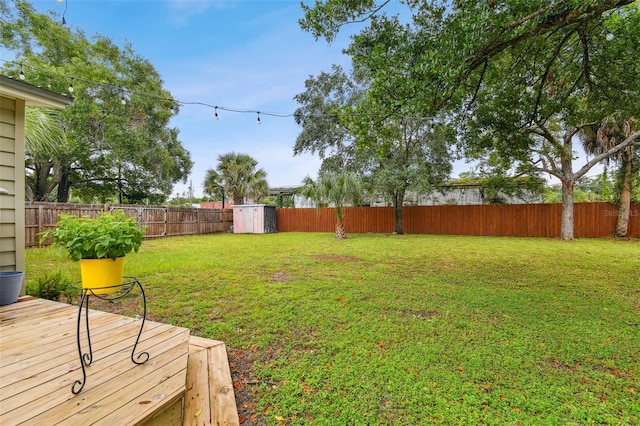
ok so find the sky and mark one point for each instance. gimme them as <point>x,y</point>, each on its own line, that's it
<point>239,54</point>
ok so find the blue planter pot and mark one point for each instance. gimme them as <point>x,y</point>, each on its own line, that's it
<point>10,285</point>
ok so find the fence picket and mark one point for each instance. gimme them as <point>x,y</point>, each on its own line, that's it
<point>159,221</point>
<point>591,220</point>
<point>594,220</point>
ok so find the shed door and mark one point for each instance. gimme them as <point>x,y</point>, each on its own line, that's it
<point>247,220</point>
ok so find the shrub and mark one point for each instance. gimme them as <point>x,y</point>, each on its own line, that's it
<point>53,286</point>
<point>106,236</point>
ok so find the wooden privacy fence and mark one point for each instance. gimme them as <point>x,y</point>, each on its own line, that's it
<point>519,220</point>
<point>159,221</point>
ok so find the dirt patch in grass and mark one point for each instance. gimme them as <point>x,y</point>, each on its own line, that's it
<point>280,277</point>
<point>241,365</point>
<point>335,257</point>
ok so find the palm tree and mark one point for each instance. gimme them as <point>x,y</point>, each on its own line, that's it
<point>236,176</point>
<point>45,140</point>
<point>604,136</point>
<point>335,190</point>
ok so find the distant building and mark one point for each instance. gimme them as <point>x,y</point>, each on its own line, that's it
<point>465,194</point>
<point>454,194</point>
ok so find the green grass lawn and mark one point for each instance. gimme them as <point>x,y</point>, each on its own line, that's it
<point>384,329</point>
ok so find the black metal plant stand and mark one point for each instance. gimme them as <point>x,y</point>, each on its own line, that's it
<point>118,291</point>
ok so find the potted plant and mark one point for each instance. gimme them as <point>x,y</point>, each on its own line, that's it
<point>99,244</point>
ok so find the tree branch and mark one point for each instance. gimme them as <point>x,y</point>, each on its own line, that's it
<point>614,150</point>
<point>550,23</point>
<point>585,57</point>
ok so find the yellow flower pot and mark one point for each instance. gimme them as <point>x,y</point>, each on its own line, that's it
<point>100,274</point>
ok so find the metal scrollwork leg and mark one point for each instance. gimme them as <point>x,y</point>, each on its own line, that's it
<point>142,357</point>
<point>86,358</point>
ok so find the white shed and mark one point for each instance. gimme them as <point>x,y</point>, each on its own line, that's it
<point>15,97</point>
<point>254,219</point>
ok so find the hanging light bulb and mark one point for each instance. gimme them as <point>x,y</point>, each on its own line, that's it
<point>216,114</point>
<point>70,88</point>
<point>609,35</point>
<point>21,75</point>
<point>64,21</point>
<point>259,122</point>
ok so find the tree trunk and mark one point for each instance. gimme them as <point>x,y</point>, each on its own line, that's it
<point>40,176</point>
<point>340,232</point>
<point>568,181</point>
<point>43,179</point>
<point>63,185</point>
<point>622,225</point>
<point>566,228</point>
<point>398,201</point>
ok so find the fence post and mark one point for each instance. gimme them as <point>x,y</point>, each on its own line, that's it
<point>39,220</point>
<point>199,220</point>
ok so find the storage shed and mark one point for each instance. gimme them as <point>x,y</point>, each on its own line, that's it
<point>254,219</point>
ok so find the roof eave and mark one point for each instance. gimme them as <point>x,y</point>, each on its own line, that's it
<point>33,96</point>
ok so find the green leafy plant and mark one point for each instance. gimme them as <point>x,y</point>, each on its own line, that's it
<point>106,236</point>
<point>53,286</point>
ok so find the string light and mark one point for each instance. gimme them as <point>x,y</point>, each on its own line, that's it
<point>173,103</point>
<point>609,35</point>
<point>64,21</point>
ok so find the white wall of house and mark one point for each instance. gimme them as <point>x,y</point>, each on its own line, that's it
<point>450,195</point>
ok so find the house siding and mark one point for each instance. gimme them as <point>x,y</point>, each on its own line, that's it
<point>12,183</point>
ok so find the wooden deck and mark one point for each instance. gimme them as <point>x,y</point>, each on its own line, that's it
<point>39,362</point>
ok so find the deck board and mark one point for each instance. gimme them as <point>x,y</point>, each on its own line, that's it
<point>39,363</point>
<point>209,399</point>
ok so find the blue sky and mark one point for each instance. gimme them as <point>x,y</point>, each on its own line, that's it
<point>238,54</point>
<point>241,54</point>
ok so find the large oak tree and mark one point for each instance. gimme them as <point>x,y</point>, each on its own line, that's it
<point>520,78</point>
<point>118,139</point>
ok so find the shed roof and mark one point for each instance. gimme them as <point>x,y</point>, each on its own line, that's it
<point>34,96</point>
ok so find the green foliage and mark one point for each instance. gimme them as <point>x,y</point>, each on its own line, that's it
<point>518,79</point>
<point>587,190</point>
<point>333,189</point>
<point>351,130</point>
<point>117,140</point>
<point>106,236</point>
<point>408,330</point>
<point>55,286</point>
<point>235,176</point>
